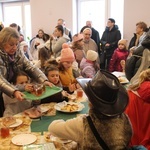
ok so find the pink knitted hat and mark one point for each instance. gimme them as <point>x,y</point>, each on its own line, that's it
<point>77,37</point>
<point>66,53</point>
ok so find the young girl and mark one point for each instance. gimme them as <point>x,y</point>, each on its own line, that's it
<point>12,105</point>
<point>138,110</point>
<point>65,69</point>
<point>77,47</point>
<point>43,56</point>
<point>89,65</point>
<point>121,53</point>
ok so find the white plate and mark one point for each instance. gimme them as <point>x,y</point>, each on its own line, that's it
<point>56,139</point>
<point>18,123</point>
<point>23,139</point>
<point>44,108</point>
<point>59,106</point>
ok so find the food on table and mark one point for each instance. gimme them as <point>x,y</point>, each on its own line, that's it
<point>7,121</point>
<point>122,79</point>
<point>33,112</point>
<point>70,107</point>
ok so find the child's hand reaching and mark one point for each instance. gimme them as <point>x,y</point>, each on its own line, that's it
<point>29,88</point>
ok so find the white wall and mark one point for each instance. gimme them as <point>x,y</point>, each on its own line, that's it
<point>135,11</point>
<point>44,14</point>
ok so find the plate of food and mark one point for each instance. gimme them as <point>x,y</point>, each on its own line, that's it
<point>48,91</point>
<point>16,124</point>
<point>50,138</point>
<point>123,80</point>
<point>23,139</point>
<point>44,108</point>
<point>69,107</point>
<point>11,122</point>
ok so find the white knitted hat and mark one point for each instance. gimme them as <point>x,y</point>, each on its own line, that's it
<point>91,55</point>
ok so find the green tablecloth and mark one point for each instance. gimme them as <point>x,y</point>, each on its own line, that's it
<point>42,125</point>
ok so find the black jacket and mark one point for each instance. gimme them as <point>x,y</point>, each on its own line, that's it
<point>112,37</point>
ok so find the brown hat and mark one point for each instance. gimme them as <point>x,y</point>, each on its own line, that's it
<point>105,92</point>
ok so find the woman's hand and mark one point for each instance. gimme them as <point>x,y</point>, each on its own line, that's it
<point>19,95</point>
<point>48,83</point>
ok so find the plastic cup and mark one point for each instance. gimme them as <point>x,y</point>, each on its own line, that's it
<point>4,131</point>
<point>79,93</point>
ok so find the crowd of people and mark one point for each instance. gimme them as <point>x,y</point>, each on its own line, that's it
<point>120,118</point>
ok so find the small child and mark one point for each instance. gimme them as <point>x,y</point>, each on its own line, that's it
<point>77,47</point>
<point>120,54</point>
<point>25,49</point>
<point>89,65</point>
<point>12,105</point>
<point>52,73</point>
<point>65,69</point>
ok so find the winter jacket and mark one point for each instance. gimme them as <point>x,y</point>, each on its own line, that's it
<point>87,68</point>
<point>112,37</point>
<point>133,63</point>
<point>57,45</point>
<point>20,63</point>
<point>138,111</point>
<point>116,132</point>
<point>117,56</point>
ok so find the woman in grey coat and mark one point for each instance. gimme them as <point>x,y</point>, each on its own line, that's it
<point>12,60</point>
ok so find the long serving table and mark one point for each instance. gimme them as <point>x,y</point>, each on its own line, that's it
<point>39,128</point>
<point>42,125</point>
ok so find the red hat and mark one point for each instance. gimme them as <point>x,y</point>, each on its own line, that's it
<point>66,53</point>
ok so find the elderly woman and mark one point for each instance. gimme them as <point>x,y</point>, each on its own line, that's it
<point>12,60</point>
<point>88,42</point>
<point>106,115</point>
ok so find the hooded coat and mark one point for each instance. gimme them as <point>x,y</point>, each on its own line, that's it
<point>138,111</point>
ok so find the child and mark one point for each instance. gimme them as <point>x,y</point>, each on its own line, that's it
<point>52,73</point>
<point>77,47</point>
<point>88,65</point>
<point>25,49</point>
<point>121,53</point>
<point>43,56</point>
<point>65,69</point>
<point>138,110</point>
<point>12,105</point>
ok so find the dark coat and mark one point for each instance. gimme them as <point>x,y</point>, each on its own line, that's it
<point>132,41</point>
<point>112,37</point>
<point>134,62</point>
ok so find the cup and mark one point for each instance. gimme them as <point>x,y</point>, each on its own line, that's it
<point>39,89</point>
<point>4,132</point>
<point>79,93</point>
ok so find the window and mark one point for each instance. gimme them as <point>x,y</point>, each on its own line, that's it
<point>98,11</point>
<point>19,13</point>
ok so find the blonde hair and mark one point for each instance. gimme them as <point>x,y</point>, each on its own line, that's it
<point>144,76</point>
<point>6,34</point>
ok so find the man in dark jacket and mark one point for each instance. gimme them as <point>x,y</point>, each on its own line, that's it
<point>109,42</point>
